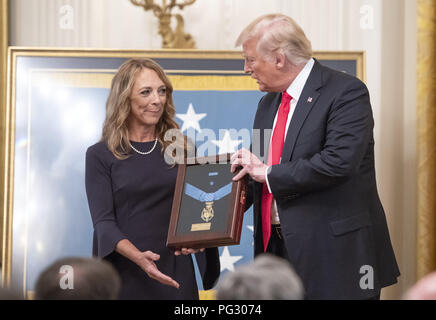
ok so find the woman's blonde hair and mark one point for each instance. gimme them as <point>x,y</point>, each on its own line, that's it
<point>118,108</point>
<point>278,32</point>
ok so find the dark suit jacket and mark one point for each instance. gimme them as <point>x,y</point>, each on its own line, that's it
<point>325,187</point>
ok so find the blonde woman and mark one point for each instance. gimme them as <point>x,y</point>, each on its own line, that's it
<point>130,188</point>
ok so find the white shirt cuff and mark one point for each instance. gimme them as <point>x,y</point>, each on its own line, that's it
<point>266,179</point>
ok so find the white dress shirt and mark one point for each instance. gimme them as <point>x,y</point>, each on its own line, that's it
<point>294,91</point>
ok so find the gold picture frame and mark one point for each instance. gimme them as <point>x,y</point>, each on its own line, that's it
<point>181,69</point>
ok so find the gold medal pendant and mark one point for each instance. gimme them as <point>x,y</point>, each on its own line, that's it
<point>207,213</point>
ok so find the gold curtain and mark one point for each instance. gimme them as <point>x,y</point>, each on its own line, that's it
<point>426,105</point>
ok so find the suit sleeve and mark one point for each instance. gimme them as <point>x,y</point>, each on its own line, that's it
<point>100,199</point>
<point>249,194</point>
<point>209,266</point>
<point>348,134</point>
<point>250,187</point>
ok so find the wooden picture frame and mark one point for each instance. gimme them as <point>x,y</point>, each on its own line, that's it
<point>191,225</point>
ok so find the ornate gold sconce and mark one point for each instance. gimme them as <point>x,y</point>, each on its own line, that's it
<point>170,38</point>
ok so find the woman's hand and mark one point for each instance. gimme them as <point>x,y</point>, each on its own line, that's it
<point>146,261</point>
<point>187,251</point>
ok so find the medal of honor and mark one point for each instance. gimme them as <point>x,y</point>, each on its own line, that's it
<point>207,213</point>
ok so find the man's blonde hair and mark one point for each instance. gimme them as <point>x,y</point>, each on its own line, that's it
<point>278,32</point>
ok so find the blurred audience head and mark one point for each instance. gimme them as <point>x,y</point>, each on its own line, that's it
<point>267,278</point>
<point>424,289</point>
<point>10,294</point>
<point>78,279</point>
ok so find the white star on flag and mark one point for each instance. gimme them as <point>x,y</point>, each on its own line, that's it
<point>227,261</point>
<point>227,145</point>
<point>190,119</point>
<point>251,228</point>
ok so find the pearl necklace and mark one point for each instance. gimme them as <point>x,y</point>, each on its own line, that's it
<point>147,152</point>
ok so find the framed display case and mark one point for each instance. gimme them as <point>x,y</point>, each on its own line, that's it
<point>208,207</point>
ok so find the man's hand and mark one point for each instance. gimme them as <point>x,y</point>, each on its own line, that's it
<point>250,165</point>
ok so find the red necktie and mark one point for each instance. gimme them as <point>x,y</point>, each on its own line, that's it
<point>274,154</point>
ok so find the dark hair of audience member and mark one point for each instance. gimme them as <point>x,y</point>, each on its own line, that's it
<point>92,279</point>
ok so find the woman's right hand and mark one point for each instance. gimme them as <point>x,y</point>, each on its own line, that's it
<point>146,261</point>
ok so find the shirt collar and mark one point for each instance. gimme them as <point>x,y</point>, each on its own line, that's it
<point>297,85</point>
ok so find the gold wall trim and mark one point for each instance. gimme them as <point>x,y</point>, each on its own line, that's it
<point>8,171</point>
<point>4,41</point>
<point>426,105</point>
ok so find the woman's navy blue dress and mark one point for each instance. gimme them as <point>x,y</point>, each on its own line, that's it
<point>131,199</point>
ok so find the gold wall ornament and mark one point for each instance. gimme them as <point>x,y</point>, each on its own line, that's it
<point>171,39</point>
<point>426,131</point>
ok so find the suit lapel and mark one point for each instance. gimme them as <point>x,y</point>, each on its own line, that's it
<point>308,98</point>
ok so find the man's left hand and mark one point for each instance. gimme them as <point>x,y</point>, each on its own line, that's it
<point>250,165</point>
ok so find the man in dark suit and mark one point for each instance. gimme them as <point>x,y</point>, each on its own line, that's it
<point>315,195</point>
